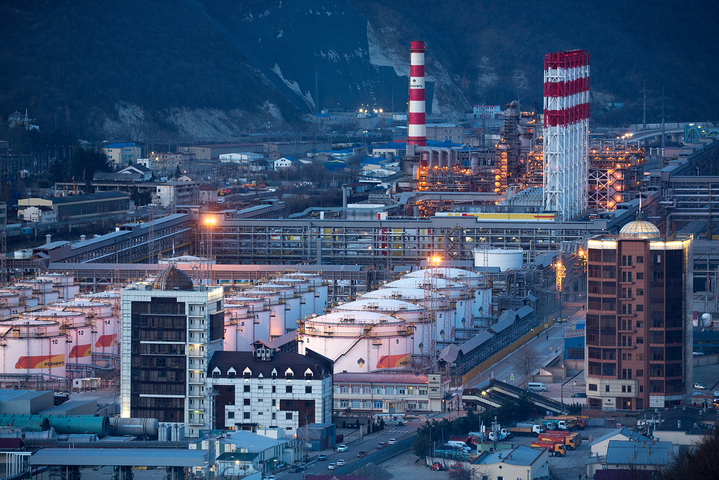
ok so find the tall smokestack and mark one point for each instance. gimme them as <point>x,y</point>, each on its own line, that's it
<point>416,129</point>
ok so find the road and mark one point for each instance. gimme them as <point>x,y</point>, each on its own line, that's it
<point>547,344</point>
<point>368,443</point>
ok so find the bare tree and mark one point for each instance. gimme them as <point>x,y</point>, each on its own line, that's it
<point>462,473</point>
<point>525,361</point>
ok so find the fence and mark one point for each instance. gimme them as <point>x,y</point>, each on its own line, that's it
<point>376,456</point>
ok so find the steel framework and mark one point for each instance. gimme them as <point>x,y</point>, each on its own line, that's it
<point>566,132</point>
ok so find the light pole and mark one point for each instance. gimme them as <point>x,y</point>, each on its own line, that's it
<point>210,223</point>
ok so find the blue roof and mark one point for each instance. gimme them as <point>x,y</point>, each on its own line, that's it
<point>119,145</point>
<point>639,453</point>
<point>625,432</point>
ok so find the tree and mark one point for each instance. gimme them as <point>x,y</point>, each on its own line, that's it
<point>699,463</point>
<point>526,361</point>
<point>85,162</point>
<point>462,473</point>
<point>178,172</point>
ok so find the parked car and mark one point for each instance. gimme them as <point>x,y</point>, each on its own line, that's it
<point>391,441</point>
<point>361,454</point>
<point>331,466</point>
<point>579,395</point>
<point>295,469</point>
<point>699,386</point>
<point>381,445</point>
<point>341,462</point>
<point>269,477</point>
<point>321,457</point>
<point>341,448</point>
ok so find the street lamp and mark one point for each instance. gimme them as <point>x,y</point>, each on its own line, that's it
<point>210,223</point>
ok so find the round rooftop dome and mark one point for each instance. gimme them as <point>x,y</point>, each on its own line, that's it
<point>173,279</point>
<point>639,229</point>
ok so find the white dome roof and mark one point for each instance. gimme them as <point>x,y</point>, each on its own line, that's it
<point>639,229</point>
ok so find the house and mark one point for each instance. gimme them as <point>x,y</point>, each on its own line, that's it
<point>599,446</point>
<point>138,169</point>
<point>265,389</point>
<point>177,193</point>
<point>122,153</point>
<point>263,450</point>
<point>41,214</point>
<point>208,194</point>
<point>630,460</point>
<point>520,462</point>
<point>285,162</point>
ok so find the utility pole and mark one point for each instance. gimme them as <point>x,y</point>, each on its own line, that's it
<point>644,121</point>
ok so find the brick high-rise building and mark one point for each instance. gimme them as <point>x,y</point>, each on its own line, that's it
<point>639,323</point>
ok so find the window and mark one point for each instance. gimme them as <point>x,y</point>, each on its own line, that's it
<point>274,415</point>
<point>640,308</point>
<point>344,389</point>
<point>640,259</point>
<point>308,389</point>
<point>274,402</point>
<point>378,404</point>
<point>389,390</point>
<point>274,389</point>
<point>344,403</point>
<point>640,340</point>
<point>356,404</point>
<point>640,373</point>
<point>629,388</point>
<point>246,415</point>
<point>247,389</point>
<point>606,388</point>
<point>230,414</point>
<point>288,415</point>
<point>592,387</point>
<point>378,390</point>
<point>366,390</point>
<point>288,389</point>
<point>355,390</point>
<point>640,291</point>
<point>400,391</point>
<point>640,276</point>
<point>624,389</point>
<point>366,404</point>
<point>641,388</point>
<point>640,356</point>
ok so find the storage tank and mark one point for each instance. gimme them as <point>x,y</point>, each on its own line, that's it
<point>290,299</point>
<point>137,427</point>
<point>358,341</point>
<point>276,307</point>
<point>32,347</point>
<point>79,344</point>
<point>33,423</point>
<point>320,286</point>
<point>82,424</point>
<point>86,307</point>
<point>304,290</point>
<point>465,277</point>
<point>502,258</point>
<point>245,325</point>
<point>706,320</point>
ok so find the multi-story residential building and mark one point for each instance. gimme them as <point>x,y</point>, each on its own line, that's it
<point>122,153</point>
<point>442,132</point>
<point>41,214</point>
<point>639,319</point>
<point>395,392</point>
<point>486,111</point>
<point>267,389</point>
<point>177,193</point>
<point>169,331</point>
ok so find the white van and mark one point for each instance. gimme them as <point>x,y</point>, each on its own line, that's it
<point>537,387</point>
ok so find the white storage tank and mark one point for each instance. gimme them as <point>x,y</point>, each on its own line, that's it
<point>32,347</point>
<point>246,321</point>
<point>276,307</point>
<point>502,258</point>
<point>465,277</point>
<point>358,341</point>
<point>290,299</point>
<point>321,290</point>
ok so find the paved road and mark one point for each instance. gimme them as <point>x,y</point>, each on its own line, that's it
<point>547,345</point>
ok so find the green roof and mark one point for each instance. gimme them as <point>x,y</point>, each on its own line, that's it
<point>237,456</point>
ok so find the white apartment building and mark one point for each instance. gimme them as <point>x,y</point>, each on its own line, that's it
<point>122,153</point>
<point>266,389</point>
<point>177,193</point>
<point>40,214</point>
<point>393,392</point>
<point>169,331</point>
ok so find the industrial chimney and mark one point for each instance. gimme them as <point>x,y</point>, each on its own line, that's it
<point>416,129</point>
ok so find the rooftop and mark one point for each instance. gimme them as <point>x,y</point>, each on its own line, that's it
<point>126,457</point>
<point>399,377</point>
<point>639,453</point>
<point>520,455</point>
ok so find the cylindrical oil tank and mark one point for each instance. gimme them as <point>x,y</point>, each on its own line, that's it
<point>276,307</point>
<point>104,334</point>
<point>33,347</point>
<point>706,320</point>
<point>359,341</point>
<point>137,427</point>
<point>70,424</point>
<point>505,259</point>
<point>291,302</point>
<point>465,277</point>
<point>79,344</point>
<point>95,309</point>
<point>33,423</point>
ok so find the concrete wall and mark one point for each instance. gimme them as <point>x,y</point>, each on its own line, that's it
<point>705,360</point>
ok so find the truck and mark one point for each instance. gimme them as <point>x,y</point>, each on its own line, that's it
<point>570,440</point>
<point>572,420</point>
<point>526,429</point>
<point>555,449</point>
<point>550,424</point>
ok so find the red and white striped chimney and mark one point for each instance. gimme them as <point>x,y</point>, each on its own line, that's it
<point>416,129</point>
